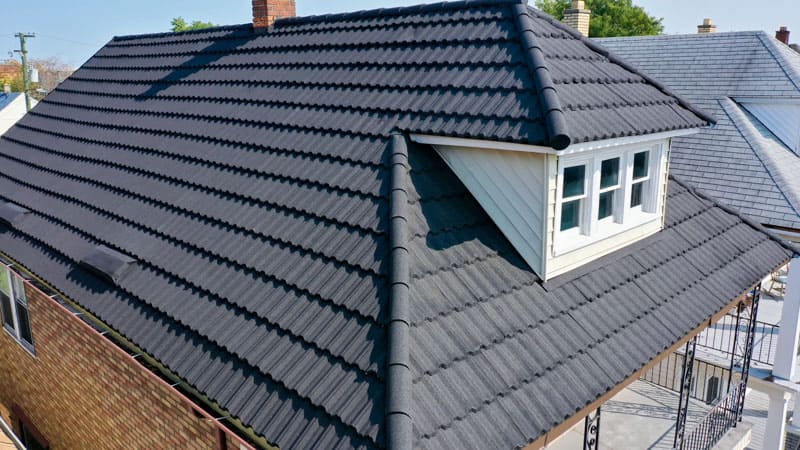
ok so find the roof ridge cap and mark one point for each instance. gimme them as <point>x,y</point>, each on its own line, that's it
<point>699,193</point>
<point>549,101</point>
<point>397,414</point>
<point>772,47</point>
<point>384,12</point>
<point>164,34</point>
<point>708,117</point>
<point>737,116</point>
<point>678,36</point>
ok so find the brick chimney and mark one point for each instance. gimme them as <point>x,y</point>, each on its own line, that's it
<point>578,17</point>
<point>783,35</point>
<point>266,12</point>
<point>707,27</point>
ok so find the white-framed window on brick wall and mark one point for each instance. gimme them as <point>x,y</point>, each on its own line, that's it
<point>14,308</point>
<point>605,192</point>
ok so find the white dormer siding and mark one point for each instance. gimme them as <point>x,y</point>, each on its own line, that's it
<point>563,209</point>
<point>509,186</point>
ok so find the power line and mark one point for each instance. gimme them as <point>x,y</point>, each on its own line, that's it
<point>88,44</point>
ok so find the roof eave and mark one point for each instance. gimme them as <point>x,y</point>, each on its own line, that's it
<point>528,148</point>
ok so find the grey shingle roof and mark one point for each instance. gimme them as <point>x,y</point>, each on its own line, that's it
<point>251,177</point>
<point>708,70</point>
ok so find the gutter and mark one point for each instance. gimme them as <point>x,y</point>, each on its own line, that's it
<point>397,414</point>
<point>196,402</point>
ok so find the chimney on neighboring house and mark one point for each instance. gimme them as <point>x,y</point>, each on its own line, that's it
<point>795,47</point>
<point>707,27</point>
<point>266,12</point>
<point>783,35</point>
<point>578,17</point>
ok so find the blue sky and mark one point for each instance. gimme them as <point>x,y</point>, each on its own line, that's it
<point>74,30</point>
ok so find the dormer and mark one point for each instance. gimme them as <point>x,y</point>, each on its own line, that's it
<point>562,209</point>
<point>584,173</point>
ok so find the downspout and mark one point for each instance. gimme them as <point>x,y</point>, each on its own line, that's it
<point>397,414</point>
<point>553,115</point>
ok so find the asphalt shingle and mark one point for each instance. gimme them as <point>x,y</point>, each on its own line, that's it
<point>728,161</point>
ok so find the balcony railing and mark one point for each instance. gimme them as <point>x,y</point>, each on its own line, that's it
<point>722,417</point>
<point>720,338</point>
<point>709,380</point>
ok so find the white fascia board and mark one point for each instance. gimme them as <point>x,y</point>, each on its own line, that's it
<point>572,149</point>
<point>769,100</point>
<point>789,235</point>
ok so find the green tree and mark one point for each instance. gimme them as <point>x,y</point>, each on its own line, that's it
<point>180,24</point>
<point>609,17</point>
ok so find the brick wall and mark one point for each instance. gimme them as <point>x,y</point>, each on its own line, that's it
<point>81,391</point>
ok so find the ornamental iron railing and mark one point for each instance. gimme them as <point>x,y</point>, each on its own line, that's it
<point>716,423</point>
<point>720,338</point>
<point>728,411</point>
<point>709,384</point>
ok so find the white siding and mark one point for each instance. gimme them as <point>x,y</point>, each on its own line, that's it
<point>782,119</point>
<point>11,113</point>
<point>511,188</point>
<point>519,191</point>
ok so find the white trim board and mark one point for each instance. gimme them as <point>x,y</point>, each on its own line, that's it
<point>575,148</point>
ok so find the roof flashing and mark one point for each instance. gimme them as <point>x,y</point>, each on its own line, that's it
<point>107,263</point>
<point>12,214</point>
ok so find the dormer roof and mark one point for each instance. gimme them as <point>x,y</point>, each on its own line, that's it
<point>254,178</point>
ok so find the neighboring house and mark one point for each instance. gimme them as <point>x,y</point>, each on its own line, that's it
<point>384,229</point>
<point>12,108</point>
<point>9,69</point>
<point>750,82</point>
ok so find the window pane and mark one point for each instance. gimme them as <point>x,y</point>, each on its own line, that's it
<point>609,173</point>
<point>8,319</point>
<point>24,324</point>
<point>571,215</point>
<point>636,194</point>
<point>641,161</point>
<point>19,289</point>
<point>606,205</point>
<point>4,287</point>
<point>574,181</point>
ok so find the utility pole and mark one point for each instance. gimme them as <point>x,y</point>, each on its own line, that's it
<point>26,73</point>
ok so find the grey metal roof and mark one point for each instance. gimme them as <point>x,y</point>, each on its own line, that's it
<point>254,179</point>
<point>725,161</point>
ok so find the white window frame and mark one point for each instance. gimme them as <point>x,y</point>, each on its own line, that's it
<point>625,217</point>
<point>581,229</point>
<point>18,298</point>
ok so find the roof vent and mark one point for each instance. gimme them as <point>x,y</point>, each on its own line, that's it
<point>11,214</point>
<point>107,263</point>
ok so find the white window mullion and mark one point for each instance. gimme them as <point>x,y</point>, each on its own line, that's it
<point>592,198</point>
<point>652,203</point>
<point>621,212</point>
